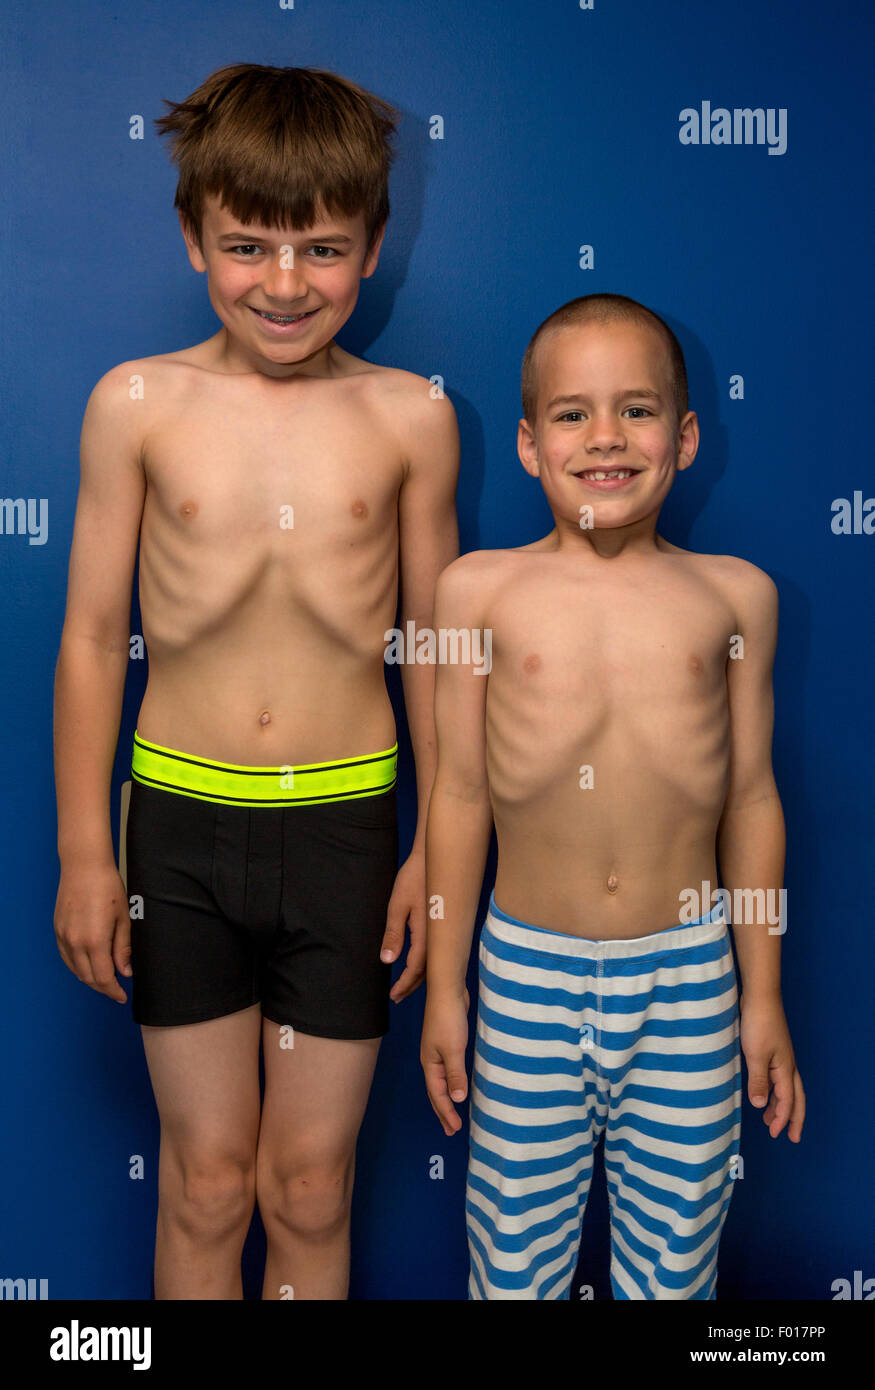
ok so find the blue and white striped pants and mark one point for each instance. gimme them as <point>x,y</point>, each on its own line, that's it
<point>638,1039</point>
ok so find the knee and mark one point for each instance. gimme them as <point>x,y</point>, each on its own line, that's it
<point>212,1197</point>
<point>307,1199</point>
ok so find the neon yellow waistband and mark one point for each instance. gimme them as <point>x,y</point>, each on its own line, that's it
<point>234,784</point>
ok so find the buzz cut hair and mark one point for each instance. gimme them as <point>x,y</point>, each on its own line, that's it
<point>603,308</point>
<point>279,146</point>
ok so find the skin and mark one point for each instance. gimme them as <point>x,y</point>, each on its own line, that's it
<point>610,648</point>
<point>266,648</point>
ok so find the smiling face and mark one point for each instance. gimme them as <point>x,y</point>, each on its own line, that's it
<point>606,433</point>
<point>281,294</point>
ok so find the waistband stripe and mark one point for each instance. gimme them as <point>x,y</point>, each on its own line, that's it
<point>237,784</point>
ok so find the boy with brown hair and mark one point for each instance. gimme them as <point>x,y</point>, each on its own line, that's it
<point>279,488</point>
<point>621,742</point>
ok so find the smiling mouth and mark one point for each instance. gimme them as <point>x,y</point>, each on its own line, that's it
<point>600,475</point>
<point>282,318</point>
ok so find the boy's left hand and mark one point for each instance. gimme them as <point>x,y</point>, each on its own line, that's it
<point>768,1051</point>
<point>407,908</point>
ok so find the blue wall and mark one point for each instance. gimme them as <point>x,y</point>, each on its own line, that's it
<point>561,129</point>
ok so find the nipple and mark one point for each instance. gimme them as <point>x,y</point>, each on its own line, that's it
<point>613,883</point>
<point>264,717</point>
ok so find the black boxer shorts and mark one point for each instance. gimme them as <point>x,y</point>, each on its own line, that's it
<point>279,904</point>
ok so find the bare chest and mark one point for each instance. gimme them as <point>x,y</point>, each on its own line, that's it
<point>242,477</point>
<point>596,649</point>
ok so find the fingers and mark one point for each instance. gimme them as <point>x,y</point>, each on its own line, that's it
<point>797,1118</point>
<point>121,945</point>
<point>103,975</point>
<point>438,1094</point>
<point>757,1082</point>
<point>397,919</point>
<point>393,936</point>
<point>413,973</point>
<point>92,964</point>
<point>785,1103</point>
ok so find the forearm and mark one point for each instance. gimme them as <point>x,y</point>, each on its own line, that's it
<point>89,686</point>
<point>418,685</point>
<point>750,850</point>
<point>459,828</point>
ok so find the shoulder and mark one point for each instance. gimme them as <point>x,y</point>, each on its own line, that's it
<point>740,579</point>
<point>472,579</point>
<point>749,592</point>
<point>416,405</point>
<point>128,380</point>
<point>123,402</point>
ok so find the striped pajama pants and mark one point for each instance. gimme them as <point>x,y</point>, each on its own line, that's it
<point>638,1039</point>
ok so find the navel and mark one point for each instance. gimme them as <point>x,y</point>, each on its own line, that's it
<point>612,883</point>
<point>264,717</point>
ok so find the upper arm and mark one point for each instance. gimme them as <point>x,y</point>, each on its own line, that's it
<point>109,507</point>
<point>427,525</point>
<point>749,681</point>
<point>460,686</point>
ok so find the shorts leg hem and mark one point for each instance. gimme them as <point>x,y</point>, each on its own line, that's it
<point>204,1015</point>
<point>321,1030</point>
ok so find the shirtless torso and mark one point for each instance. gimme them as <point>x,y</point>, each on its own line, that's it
<point>269,556</point>
<point>607,732</point>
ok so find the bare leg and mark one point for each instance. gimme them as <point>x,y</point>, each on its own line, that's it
<point>314,1100</point>
<point>205,1080</point>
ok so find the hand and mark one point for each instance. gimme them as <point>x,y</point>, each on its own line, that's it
<point>93,926</point>
<point>442,1054</point>
<point>768,1051</point>
<point>407,908</point>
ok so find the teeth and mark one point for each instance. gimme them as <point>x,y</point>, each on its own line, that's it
<point>281,318</point>
<point>600,476</point>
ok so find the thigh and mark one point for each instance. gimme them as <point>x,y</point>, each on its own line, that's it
<point>674,1125</point>
<point>190,962</point>
<point>315,1093</point>
<point>322,973</point>
<point>532,1125</point>
<point>206,1084</point>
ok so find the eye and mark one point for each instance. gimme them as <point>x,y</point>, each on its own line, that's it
<point>246,246</point>
<point>332,252</point>
<point>577,414</point>
<point>642,408</point>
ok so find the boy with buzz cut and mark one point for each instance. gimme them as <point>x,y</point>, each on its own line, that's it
<point>279,487</point>
<point>620,750</point>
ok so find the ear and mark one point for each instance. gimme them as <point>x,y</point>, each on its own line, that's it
<point>369,265</point>
<point>527,448</point>
<point>192,245</point>
<point>688,440</point>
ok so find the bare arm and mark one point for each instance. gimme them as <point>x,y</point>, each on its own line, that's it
<point>459,827</point>
<point>750,837</point>
<point>91,907</point>
<point>750,846</point>
<point>428,541</point>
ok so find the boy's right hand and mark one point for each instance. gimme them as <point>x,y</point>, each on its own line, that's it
<point>442,1054</point>
<point>93,926</point>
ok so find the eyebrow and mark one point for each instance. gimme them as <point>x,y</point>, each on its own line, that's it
<point>643,391</point>
<point>251,237</point>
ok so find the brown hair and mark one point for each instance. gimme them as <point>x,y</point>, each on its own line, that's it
<point>279,144</point>
<point>604,308</point>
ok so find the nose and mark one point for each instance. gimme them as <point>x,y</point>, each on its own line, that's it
<point>604,433</point>
<point>283,281</point>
